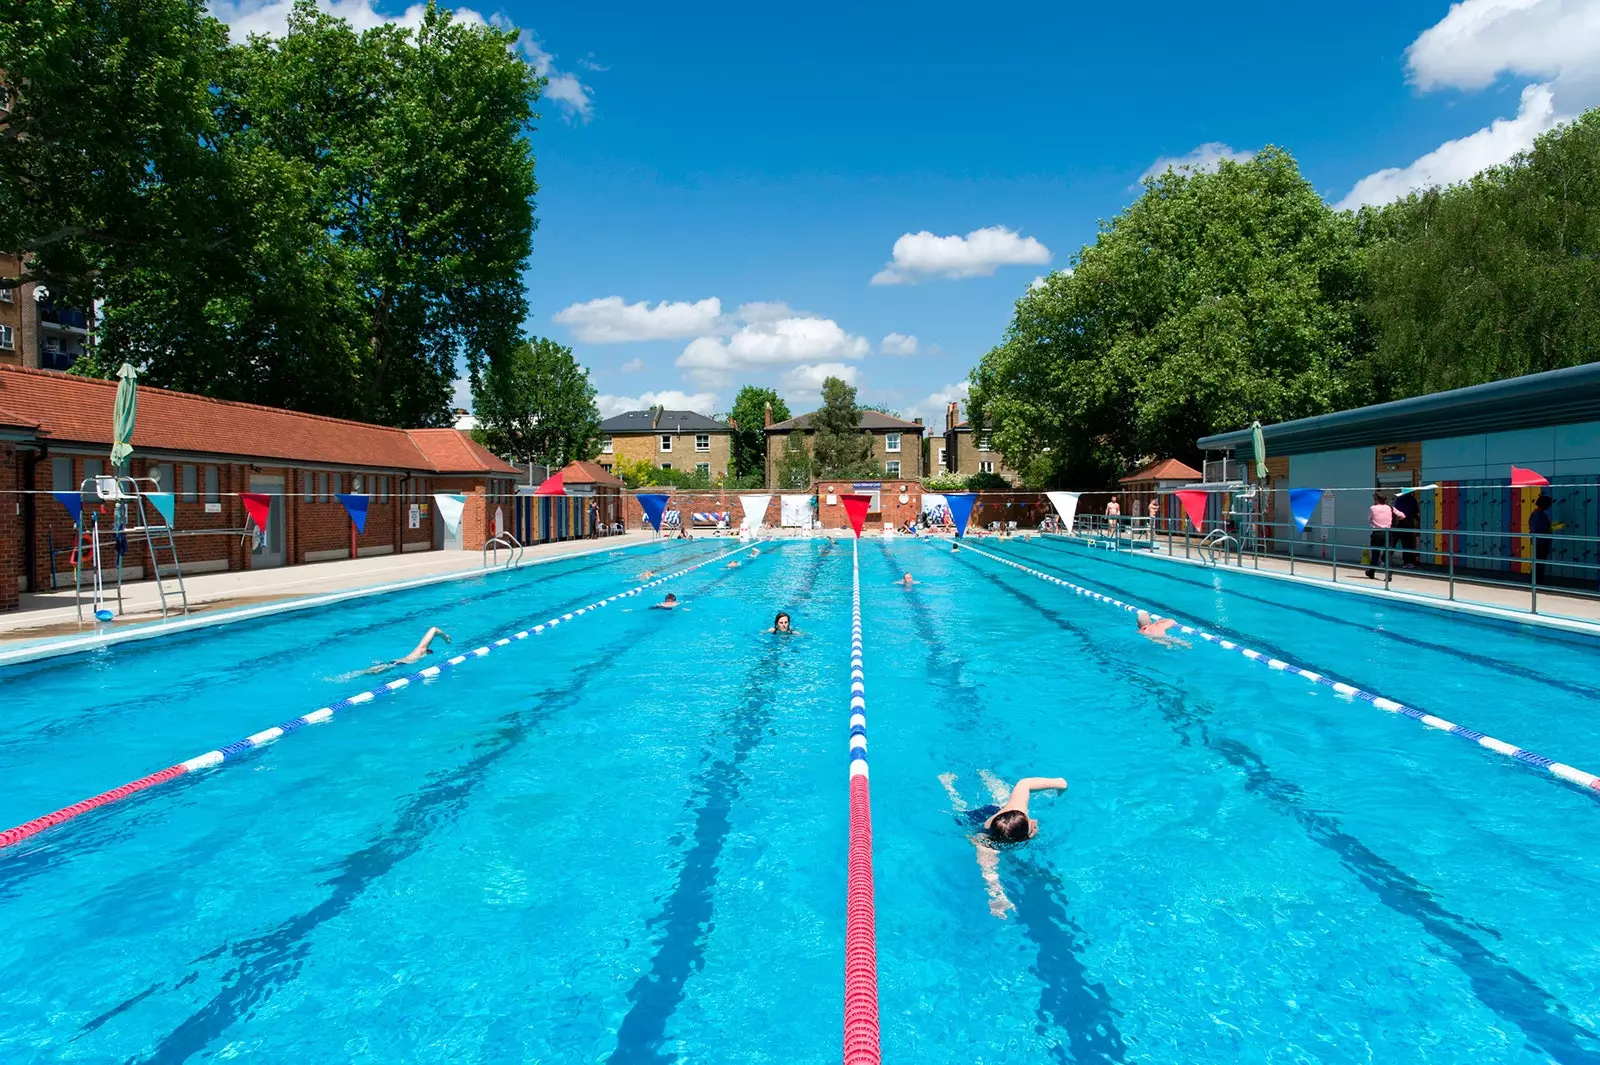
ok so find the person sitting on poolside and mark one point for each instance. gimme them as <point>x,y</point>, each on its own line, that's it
<point>669,603</point>
<point>417,653</point>
<point>782,626</point>
<point>1156,630</point>
<point>1005,821</point>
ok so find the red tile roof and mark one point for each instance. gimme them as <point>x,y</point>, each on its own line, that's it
<point>80,410</point>
<point>1165,470</point>
<point>588,473</point>
<point>453,451</point>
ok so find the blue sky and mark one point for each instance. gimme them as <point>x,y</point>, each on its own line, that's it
<point>721,184</point>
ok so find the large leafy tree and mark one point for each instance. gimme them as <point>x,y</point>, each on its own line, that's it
<point>839,448</point>
<point>1214,299</point>
<point>538,404</point>
<point>749,419</point>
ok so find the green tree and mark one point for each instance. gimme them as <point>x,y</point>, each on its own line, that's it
<point>1213,299</point>
<point>795,467</point>
<point>839,448</point>
<point>749,437</point>
<point>537,404</point>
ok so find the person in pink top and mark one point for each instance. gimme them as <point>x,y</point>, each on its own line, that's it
<point>1381,518</point>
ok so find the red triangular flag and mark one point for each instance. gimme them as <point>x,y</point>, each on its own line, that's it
<point>1521,478</point>
<point>856,507</point>
<point>258,505</point>
<point>1194,505</point>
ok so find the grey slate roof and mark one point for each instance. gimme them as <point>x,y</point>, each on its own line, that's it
<point>670,421</point>
<point>870,419</point>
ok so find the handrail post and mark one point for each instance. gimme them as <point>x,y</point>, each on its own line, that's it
<point>1452,553</point>
<point>1292,539</point>
<point>1388,557</point>
<point>1533,600</point>
<point>1335,554</point>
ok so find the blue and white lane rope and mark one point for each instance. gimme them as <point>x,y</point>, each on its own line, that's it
<point>235,750</point>
<point>861,1044</point>
<point>1527,757</point>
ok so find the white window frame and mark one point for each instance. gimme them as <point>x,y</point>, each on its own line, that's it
<point>698,437</point>
<point>944,467</point>
<point>665,443</point>
<point>892,468</point>
<point>891,442</point>
<point>986,466</point>
<point>607,447</point>
<point>703,467</point>
<point>8,294</point>
<point>7,338</point>
<point>986,442</point>
<point>52,345</point>
<point>666,465</point>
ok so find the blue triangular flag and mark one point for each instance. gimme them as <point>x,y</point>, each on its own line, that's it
<point>654,506</point>
<point>164,503</point>
<point>357,507</point>
<point>1302,504</point>
<point>960,510</point>
<point>73,502</point>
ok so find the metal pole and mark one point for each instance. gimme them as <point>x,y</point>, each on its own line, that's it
<point>1169,539</point>
<point>1452,536</point>
<point>1533,605</point>
<point>1388,556</point>
<point>1336,554</point>
<point>1292,539</point>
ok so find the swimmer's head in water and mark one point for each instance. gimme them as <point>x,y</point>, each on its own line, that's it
<point>907,579</point>
<point>781,622</point>
<point>670,598</point>
<point>1011,825</point>
<point>1144,619</point>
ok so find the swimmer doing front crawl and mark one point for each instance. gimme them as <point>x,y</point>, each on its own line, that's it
<point>1155,630</point>
<point>416,654</point>
<point>1003,822</point>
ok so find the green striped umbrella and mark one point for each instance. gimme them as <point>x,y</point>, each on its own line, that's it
<point>127,407</point>
<point>1260,446</point>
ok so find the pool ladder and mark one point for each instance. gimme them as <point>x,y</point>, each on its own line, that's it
<point>513,546</point>
<point>1216,539</point>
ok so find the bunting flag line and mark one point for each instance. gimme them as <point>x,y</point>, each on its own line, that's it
<point>1194,505</point>
<point>654,507</point>
<point>1521,478</point>
<point>356,507</point>
<point>450,508</point>
<point>73,502</point>
<point>755,510</point>
<point>163,502</point>
<point>960,511</point>
<point>1066,504</point>
<point>258,506</point>
<point>1303,504</point>
<point>855,506</point>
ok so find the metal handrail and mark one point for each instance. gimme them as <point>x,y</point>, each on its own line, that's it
<point>513,546</point>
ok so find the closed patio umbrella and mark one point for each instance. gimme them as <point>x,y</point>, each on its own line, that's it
<point>127,408</point>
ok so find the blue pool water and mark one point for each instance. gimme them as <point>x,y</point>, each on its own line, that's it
<point>624,840</point>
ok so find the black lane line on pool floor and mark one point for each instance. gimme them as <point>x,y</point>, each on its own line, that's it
<point>1587,691</point>
<point>1503,989</point>
<point>1070,1004</point>
<point>686,916</point>
<point>273,959</point>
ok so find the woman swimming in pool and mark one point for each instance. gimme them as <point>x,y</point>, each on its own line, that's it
<point>782,626</point>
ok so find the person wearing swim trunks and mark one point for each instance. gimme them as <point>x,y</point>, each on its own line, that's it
<point>998,824</point>
<point>1155,630</point>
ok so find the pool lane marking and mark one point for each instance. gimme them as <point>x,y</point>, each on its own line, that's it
<point>1559,769</point>
<point>221,755</point>
<point>861,1045</point>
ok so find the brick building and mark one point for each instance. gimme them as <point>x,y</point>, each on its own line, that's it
<point>964,453</point>
<point>668,440</point>
<point>896,443</point>
<point>55,432</point>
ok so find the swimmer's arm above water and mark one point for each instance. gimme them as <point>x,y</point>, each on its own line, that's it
<point>1026,786</point>
<point>422,648</point>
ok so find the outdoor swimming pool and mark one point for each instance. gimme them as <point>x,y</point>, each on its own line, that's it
<point>624,840</point>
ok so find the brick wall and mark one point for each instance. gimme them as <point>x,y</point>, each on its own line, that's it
<point>10,527</point>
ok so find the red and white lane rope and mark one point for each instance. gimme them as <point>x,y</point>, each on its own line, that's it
<point>860,923</point>
<point>1531,758</point>
<point>223,755</point>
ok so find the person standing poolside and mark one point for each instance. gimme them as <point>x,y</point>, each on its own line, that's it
<point>1380,517</point>
<point>1155,630</point>
<point>1539,527</point>
<point>1154,512</point>
<point>1005,821</point>
<point>1113,512</point>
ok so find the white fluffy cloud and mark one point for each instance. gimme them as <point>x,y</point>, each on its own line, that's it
<point>611,321</point>
<point>270,17</point>
<point>930,408</point>
<point>805,382</point>
<point>1205,157</point>
<point>633,366</point>
<point>1554,44</point>
<point>898,344</point>
<point>764,341</point>
<point>700,402</point>
<point>923,255</point>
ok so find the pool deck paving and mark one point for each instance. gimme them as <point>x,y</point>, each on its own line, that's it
<point>48,622</point>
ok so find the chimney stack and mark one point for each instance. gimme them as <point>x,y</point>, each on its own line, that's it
<point>769,417</point>
<point>655,416</point>
<point>952,416</point>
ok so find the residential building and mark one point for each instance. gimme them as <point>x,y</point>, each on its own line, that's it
<point>668,440</point>
<point>34,332</point>
<point>964,453</point>
<point>896,443</point>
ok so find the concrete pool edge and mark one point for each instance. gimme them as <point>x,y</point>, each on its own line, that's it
<point>55,647</point>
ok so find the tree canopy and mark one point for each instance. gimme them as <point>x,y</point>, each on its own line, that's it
<point>839,448</point>
<point>538,405</point>
<point>749,419</point>
<point>329,221</point>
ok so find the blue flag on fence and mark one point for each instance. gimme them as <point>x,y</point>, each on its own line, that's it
<point>163,502</point>
<point>654,506</point>
<point>357,508</point>
<point>73,502</point>
<point>960,510</point>
<point>1302,504</point>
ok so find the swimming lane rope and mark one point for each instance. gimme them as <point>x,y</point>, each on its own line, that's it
<point>860,927</point>
<point>222,755</point>
<point>1527,757</point>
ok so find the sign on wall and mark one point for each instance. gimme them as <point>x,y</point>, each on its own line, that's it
<point>414,519</point>
<point>213,508</point>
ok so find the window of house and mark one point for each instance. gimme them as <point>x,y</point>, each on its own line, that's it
<point>335,484</point>
<point>8,294</point>
<point>702,441</point>
<point>6,340</point>
<point>52,345</point>
<point>383,489</point>
<point>61,474</point>
<point>212,495</point>
<point>166,481</point>
<point>606,445</point>
<point>191,484</point>
<point>308,486</point>
<point>891,468</point>
<point>322,488</point>
<point>356,481</point>
<point>985,442</point>
<point>985,466</point>
<point>891,441</point>
<point>666,445</point>
<point>666,465</point>
<point>703,467</point>
<point>942,467</point>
